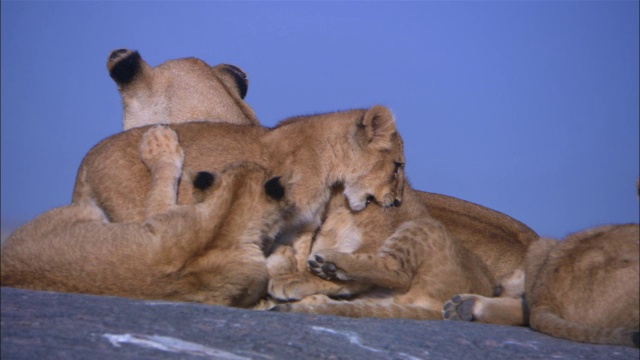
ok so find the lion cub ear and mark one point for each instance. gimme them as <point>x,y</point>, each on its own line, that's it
<point>379,126</point>
<point>233,78</point>
<point>274,188</point>
<point>125,65</point>
<point>203,180</point>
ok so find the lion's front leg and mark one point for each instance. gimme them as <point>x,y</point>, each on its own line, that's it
<point>286,281</point>
<point>502,310</point>
<point>377,270</point>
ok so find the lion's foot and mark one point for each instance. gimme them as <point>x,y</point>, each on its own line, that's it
<point>288,287</point>
<point>302,305</point>
<point>160,146</point>
<point>281,261</point>
<point>460,307</point>
<point>488,310</point>
<point>322,263</point>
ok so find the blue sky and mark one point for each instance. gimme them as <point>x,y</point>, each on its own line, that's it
<point>529,108</point>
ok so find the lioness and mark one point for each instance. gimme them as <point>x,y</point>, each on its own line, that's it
<point>178,91</point>
<point>393,262</point>
<point>210,252</point>
<point>585,288</point>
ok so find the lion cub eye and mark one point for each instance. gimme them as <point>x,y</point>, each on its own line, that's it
<point>398,166</point>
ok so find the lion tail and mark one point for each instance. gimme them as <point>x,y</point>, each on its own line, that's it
<point>81,190</point>
<point>543,319</point>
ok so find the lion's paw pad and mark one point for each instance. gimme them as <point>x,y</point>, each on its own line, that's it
<point>459,309</point>
<point>324,269</point>
<point>160,144</point>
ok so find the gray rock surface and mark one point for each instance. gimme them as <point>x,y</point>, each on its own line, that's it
<point>49,325</point>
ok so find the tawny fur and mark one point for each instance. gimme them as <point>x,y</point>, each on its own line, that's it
<point>178,91</point>
<point>359,149</point>
<point>186,90</point>
<point>500,241</point>
<point>211,252</point>
<point>389,262</point>
<point>585,288</point>
<point>496,239</point>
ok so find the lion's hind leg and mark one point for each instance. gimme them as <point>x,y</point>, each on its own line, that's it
<point>545,320</point>
<point>161,153</point>
<point>175,227</point>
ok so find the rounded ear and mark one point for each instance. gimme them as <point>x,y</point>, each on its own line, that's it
<point>274,189</point>
<point>379,126</point>
<point>124,65</point>
<point>233,77</point>
<point>203,180</point>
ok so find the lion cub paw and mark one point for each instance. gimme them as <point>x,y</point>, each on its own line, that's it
<point>160,146</point>
<point>288,287</point>
<point>460,307</point>
<point>303,305</point>
<point>322,264</point>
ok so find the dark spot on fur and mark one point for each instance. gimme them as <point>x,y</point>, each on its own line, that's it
<point>526,312</point>
<point>448,306</point>
<point>126,69</point>
<point>465,310</point>
<point>203,180</point>
<point>329,268</point>
<point>240,79</point>
<point>266,245</point>
<point>116,54</point>
<point>498,291</point>
<point>274,189</point>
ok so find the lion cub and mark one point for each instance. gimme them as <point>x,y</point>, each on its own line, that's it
<point>179,91</point>
<point>585,288</point>
<point>210,252</point>
<point>394,262</point>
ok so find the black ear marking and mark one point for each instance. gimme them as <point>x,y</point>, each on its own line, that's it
<point>240,79</point>
<point>116,54</point>
<point>203,180</point>
<point>126,68</point>
<point>274,189</point>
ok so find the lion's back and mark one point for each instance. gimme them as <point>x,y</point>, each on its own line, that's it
<point>113,175</point>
